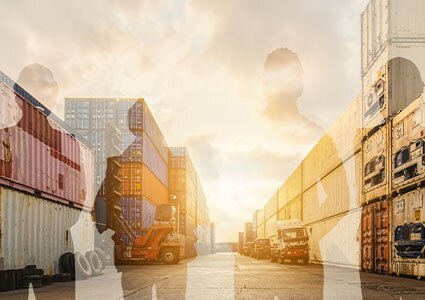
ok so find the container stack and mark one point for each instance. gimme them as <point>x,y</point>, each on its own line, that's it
<point>183,195</point>
<point>46,184</point>
<point>393,41</point>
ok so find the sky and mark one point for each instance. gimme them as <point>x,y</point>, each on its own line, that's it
<point>200,66</point>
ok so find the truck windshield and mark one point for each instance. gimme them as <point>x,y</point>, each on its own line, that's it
<point>294,233</point>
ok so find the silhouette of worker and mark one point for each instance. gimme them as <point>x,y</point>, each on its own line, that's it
<point>108,199</point>
<point>283,86</point>
<point>22,123</point>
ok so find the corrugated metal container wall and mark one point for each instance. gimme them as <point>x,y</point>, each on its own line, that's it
<point>408,145</point>
<point>190,247</point>
<point>153,160</point>
<point>406,227</point>
<point>260,231</point>
<point>336,193</point>
<point>291,188</point>
<point>292,210</point>
<point>270,227</point>
<point>270,208</point>
<point>320,161</point>
<point>139,214</point>
<point>38,153</point>
<point>260,217</point>
<point>390,19</point>
<point>131,176</point>
<point>153,189</point>
<point>346,132</point>
<point>38,231</point>
<point>375,237</point>
<point>375,164</point>
<point>393,82</point>
<point>154,133</point>
<point>88,167</point>
<point>336,240</point>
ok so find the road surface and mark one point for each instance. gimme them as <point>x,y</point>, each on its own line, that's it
<point>231,276</point>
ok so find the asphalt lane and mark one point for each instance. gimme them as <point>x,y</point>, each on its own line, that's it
<point>230,276</point>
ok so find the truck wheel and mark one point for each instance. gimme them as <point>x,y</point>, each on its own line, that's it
<point>82,267</point>
<point>170,256</point>
<point>102,256</point>
<point>95,263</point>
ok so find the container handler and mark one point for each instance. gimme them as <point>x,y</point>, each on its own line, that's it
<point>158,243</point>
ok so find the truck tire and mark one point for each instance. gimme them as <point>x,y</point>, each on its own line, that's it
<point>102,256</point>
<point>95,263</point>
<point>67,263</point>
<point>82,266</point>
<point>169,256</point>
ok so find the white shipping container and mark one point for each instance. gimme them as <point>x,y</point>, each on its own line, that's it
<point>408,226</point>
<point>385,21</point>
<point>375,164</point>
<point>392,82</point>
<point>38,231</point>
<point>336,240</point>
<point>336,193</point>
<point>408,145</point>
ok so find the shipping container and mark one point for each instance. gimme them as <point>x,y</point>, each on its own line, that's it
<point>392,82</point>
<point>38,231</point>
<point>337,193</point>
<point>153,189</point>
<point>375,237</point>
<point>271,207</point>
<point>190,247</point>
<point>249,232</point>
<point>241,242</point>
<point>270,227</point>
<point>260,231</point>
<point>292,210</point>
<point>260,217</point>
<point>408,234</point>
<point>154,161</point>
<point>150,127</point>
<point>40,154</point>
<point>335,240</point>
<point>385,21</point>
<point>376,165</point>
<point>408,146</point>
<point>291,188</point>
<point>139,214</point>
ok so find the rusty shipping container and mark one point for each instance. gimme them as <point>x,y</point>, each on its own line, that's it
<point>376,164</point>
<point>337,193</point>
<point>408,234</point>
<point>408,146</point>
<point>39,153</point>
<point>38,231</point>
<point>335,240</point>
<point>375,237</point>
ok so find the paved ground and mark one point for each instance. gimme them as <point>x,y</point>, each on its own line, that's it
<point>231,276</point>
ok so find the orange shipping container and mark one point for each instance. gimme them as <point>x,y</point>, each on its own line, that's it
<point>152,187</point>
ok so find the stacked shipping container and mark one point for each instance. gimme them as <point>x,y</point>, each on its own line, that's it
<point>358,182</point>
<point>46,184</point>
<point>187,195</point>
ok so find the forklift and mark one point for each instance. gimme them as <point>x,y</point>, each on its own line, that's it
<point>159,243</point>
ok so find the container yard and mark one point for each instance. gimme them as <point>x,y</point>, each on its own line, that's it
<point>359,190</point>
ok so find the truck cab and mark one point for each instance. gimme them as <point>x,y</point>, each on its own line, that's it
<point>261,248</point>
<point>292,241</point>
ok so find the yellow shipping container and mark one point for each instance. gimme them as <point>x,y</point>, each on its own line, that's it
<point>270,227</point>
<point>271,207</point>
<point>291,188</point>
<point>334,194</point>
<point>292,210</point>
<point>153,189</point>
